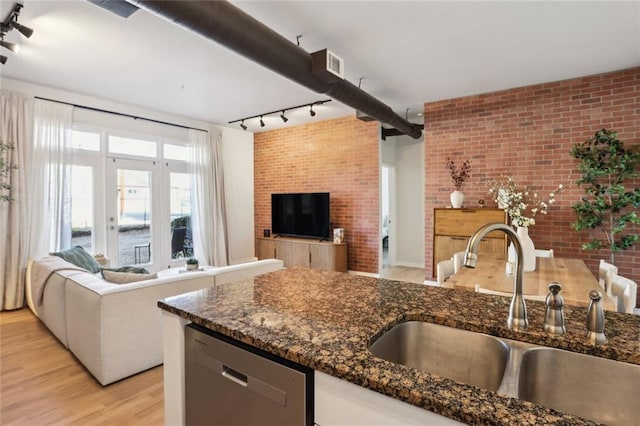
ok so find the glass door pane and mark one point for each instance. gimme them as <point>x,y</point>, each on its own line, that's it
<point>82,207</point>
<point>130,212</point>
<point>180,211</point>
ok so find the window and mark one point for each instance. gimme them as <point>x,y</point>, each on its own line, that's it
<point>176,152</point>
<point>82,207</point>
<point>130,146</point>
<point>89,141</point>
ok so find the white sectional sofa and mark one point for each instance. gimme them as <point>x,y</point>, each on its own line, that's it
<point>115,330</point>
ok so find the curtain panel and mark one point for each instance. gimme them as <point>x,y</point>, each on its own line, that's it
<point>36,219</point>
<point>209,222</point>
<point>16,129</point>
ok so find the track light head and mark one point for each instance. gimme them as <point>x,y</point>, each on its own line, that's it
<point>243,126</point>
<point>261,122</point>
<point>284,119</point>
<point>25,31</point>
<point>11,46</point>
<point>311,111</point>
<point>3,59</point>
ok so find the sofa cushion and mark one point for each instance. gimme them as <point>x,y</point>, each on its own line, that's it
<point>126,277</point>
<point>133,269</point>
<point>79,257</point>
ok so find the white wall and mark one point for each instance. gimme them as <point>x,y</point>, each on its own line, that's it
<point>407,155</point>
<point>237,158</point>
<point>237,152</point>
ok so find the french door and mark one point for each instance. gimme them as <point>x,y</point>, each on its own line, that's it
<point>133,212</point>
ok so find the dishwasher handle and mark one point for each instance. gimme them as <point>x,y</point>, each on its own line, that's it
<point>234,375</point>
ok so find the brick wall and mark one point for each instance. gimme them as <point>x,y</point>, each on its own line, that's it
<point>529,132</point>
<point>338,156</point>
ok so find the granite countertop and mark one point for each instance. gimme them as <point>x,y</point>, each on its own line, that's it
<point>326,320</point>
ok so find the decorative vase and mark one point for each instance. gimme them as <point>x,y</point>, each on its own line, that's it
<point>457,199</point>
<point>528,249</point>
<point>192,266</point>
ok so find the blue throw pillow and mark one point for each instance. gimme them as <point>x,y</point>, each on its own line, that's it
<point>79,257</point>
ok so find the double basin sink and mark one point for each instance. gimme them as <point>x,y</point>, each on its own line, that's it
<point>594,388</point>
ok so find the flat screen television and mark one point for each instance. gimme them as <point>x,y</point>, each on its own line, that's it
<point>301,215</point>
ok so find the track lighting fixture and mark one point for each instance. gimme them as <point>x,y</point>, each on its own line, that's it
<point>8,45</point>
<point>281,111</point>
<point>10,23</point>
<point>25,31</point>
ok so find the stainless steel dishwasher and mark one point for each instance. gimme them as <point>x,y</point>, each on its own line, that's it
<point>230,383</point>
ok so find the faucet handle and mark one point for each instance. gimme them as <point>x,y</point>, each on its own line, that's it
<point>595,319</point>
<point>554,317</point>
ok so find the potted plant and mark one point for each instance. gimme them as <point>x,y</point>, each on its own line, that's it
<point>606,165</point>
<point>192,264</point>
<point>459,176</point>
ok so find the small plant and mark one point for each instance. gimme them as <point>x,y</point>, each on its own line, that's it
<point>459,175</point>
<point>192,261</point>
<point>606,165</point>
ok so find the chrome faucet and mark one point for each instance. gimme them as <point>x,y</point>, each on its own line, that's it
<point>517,319</point>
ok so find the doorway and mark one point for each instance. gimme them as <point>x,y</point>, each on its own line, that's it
<point>387,213</point>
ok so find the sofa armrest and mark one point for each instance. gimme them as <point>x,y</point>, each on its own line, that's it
<point>226,274</point>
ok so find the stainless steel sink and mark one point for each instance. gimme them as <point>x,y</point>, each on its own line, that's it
<point>594,388</point>
<point>464,356</point>
<point>591,387</point>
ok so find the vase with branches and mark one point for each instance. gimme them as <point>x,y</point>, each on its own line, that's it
<point>607,206</point>
<point>459,175</point>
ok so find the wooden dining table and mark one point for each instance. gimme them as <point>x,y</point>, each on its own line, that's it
<point>574,276</point>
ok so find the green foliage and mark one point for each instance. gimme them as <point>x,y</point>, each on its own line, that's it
<point>606,165</point>
<point>5,172</point>
<point>192,261</point>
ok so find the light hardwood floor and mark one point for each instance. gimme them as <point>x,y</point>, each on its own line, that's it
<point>403,273</point>
<point>41,383</point>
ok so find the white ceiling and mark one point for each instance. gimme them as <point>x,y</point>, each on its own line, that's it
<point>408,53</point>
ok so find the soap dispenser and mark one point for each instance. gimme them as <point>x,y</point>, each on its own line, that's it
<point>554,317</point>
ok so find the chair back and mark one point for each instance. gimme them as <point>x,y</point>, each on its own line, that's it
<point>444,270</point>
<point>458,261</point>
<point>544,253</point>
<point>606,273</point>
<point>177,241</point>
<point>626,291</point>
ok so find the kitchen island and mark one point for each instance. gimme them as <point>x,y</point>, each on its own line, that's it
<point>326,321</point>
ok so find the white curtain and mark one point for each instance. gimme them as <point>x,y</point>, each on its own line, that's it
<point>51,176</point>
<point>32,222</point>
<point>208,210</point>
<point>16,129</point>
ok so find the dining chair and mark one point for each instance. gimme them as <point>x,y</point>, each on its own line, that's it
<point>626,291</point>
<point>538,297</point>
<point>606,273</point>
<point>544,253</point>
<point>458,261</point>
<point>444,270</point>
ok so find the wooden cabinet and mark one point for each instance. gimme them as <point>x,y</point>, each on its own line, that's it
<point>453,227</point>
<point>301,252</point>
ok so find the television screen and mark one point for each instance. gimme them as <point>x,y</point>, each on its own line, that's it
<point>304,215</point>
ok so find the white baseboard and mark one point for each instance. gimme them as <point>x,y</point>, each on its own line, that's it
<point>410,264</point>
<point>366,274</point>
<point>431,283</point>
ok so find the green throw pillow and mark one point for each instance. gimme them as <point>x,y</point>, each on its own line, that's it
<point>132,269</point>
<point>79,257</point>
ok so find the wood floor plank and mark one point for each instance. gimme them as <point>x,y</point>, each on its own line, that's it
<point>41,383</point>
